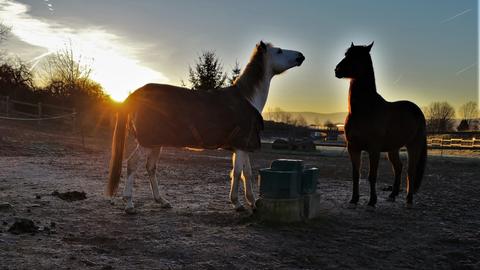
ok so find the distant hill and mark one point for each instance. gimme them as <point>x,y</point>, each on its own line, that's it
<point>314,118</point>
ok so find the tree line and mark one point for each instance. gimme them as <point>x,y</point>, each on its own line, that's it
<point>61,78</point>
<point>441,117</point>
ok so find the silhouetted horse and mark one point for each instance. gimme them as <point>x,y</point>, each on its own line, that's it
<point>376,125</point>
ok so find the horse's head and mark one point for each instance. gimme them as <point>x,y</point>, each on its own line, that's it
<point>278,60</point>
<point>357,62</point>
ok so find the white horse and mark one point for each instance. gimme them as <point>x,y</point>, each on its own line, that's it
<point>228,118</point>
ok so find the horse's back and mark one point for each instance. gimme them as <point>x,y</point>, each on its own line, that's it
<point>408,107</point>
<point>387,126</point>
<point>406,113</point>
<point>174,116</point>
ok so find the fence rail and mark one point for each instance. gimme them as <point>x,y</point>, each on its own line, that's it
<point>454,143</point>
<point>433,143</point>
<point>20,110</point>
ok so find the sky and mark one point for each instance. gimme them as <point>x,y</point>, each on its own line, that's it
<point>424,51</point>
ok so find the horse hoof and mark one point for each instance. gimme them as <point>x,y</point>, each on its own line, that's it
<point>351,205</point>
<point>130,210</point>
<point>370,208</point>
<point>239,208</point>
<point>409,205</point>
<point>391,199</point>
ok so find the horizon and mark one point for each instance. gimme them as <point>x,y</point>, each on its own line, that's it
<point>422,52</point>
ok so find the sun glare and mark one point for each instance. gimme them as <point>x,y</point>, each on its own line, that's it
<point>118,75</point>
<point>113,61</point>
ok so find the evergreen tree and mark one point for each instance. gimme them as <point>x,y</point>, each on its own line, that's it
<point>235,73</point>
<point>208,72</point>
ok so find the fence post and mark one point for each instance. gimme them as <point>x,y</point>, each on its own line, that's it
<point>39,106</point>
<point>113,120</point>
<point>7,105</point>
<point>74,120</point>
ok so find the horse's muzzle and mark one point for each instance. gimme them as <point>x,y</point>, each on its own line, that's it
<point>300,59</point>
<point>338,73</point>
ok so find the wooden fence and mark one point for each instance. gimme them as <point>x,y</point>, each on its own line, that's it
<point>453,143</point>
<point>11,109</point>
<point>432,143</point>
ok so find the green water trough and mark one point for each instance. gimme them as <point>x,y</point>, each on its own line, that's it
<point>288,192</point>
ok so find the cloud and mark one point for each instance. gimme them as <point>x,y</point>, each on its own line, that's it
<point>114,60</point>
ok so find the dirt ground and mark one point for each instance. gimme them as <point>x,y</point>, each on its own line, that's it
<point>201,231</point>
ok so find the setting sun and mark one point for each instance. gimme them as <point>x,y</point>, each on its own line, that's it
<point>119,76</point>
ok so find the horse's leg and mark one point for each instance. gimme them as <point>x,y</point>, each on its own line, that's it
<point>394,158</point>
<point>410,175</point>
<point>247,179</point>
<point>152,157</point>
<point>235,175</point>
<point>132,165</point>
<point>374,158</point>
<point>355,159</point>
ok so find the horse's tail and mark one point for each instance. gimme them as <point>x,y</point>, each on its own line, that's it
<point>420,158</point>
<point>118,145</point>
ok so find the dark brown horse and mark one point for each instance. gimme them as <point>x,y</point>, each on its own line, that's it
<point>375,125</point>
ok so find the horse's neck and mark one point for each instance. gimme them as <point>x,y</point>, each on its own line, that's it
<point>363,94</point>
<point>260,95</point>
<point>257,93</point>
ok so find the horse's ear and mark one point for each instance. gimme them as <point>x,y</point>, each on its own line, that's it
<point>352,45</point>
<point>369,47</point>
<point>262,46</point>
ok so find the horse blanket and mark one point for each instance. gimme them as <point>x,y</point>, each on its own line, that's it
<point>165,115</point>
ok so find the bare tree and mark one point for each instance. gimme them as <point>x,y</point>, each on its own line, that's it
<point>66,67</point>
<point>286,117</point>
<point>273,114</point>
<point>300,121</point>
<point>67,77</point>
<point>440,117</point>
<point>468,112</point>
<point>267,114</point>
<point>279,115</point>
<point>4,31</point>
<point>16,80</point>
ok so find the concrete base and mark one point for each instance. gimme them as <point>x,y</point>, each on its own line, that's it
<point>311,206</point>
<point>288,210</point>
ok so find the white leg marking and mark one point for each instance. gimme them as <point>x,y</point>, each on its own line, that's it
<point>152,157</point>
<point>132,165</point>
<point>247,181</point>
<point>235,176</point>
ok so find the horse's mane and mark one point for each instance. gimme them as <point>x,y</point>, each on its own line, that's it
<point>253,73</point>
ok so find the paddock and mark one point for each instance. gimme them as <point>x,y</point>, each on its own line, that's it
<point>201,231</point>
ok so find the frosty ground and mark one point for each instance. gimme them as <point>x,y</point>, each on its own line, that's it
<point>201,231</point>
